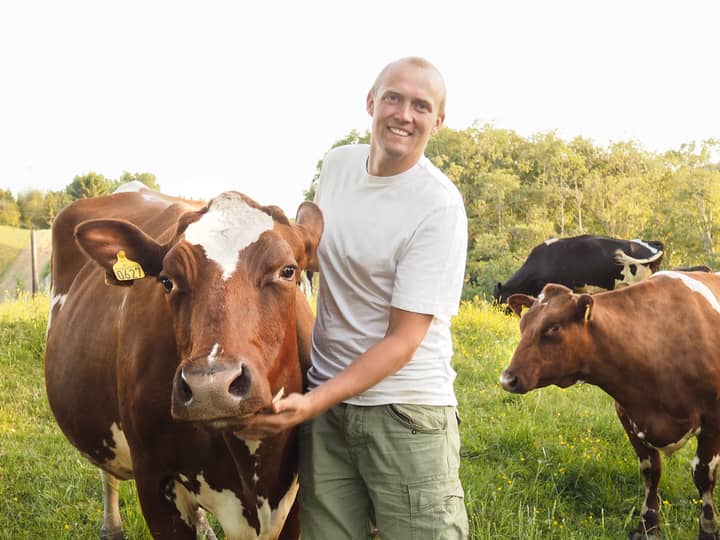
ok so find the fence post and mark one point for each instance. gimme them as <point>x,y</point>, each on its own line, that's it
<point>33,266</point>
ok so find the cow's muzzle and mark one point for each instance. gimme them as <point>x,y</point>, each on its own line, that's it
<point>221,395</point>
<point>510,382</point>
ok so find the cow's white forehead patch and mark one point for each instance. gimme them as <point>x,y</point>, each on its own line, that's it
<point>693,284</point>
<point>228,226</point>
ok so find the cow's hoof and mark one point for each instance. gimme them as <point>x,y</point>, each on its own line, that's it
<point>112,534</point>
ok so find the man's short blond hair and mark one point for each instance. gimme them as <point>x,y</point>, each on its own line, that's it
<point>420,62</point>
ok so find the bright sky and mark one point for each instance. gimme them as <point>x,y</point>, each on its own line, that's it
<point>218,95</point>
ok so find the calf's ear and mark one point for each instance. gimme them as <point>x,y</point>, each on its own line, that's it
<point>110,241</point>
<point>309,226</point>
<point>584,306</point>
<point>518,301</point>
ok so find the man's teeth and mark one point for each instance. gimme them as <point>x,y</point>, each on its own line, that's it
<point>400,132</point>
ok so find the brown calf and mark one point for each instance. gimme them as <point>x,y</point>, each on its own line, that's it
<point>655,348</point>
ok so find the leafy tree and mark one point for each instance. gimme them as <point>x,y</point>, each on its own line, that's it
<point>89,185</point>
<point>31,204</point>
<point>54,202</point>
<point>149,179</point>
<point>9,209</point>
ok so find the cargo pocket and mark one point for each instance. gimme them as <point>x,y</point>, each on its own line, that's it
<point>437,510</point>
<point>419,418</point>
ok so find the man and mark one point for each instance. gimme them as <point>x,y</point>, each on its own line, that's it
<point>380,439</point>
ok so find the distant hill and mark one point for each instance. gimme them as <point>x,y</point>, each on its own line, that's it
<point>15,262</point>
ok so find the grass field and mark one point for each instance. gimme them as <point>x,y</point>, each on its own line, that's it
<point>550,464</point>
<point>12,242</point>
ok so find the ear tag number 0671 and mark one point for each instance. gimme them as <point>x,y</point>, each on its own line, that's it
<point>125,269</point>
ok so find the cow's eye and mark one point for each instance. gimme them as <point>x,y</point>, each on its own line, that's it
<point>167,284</point>
<point>552,330</point>
<point>288,272</point>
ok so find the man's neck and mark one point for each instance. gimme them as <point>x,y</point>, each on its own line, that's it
<point>389,167</point>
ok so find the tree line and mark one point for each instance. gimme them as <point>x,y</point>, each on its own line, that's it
<point>37,209</point>
<point>520,191</point>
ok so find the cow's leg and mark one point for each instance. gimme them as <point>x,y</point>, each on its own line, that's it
<point>165,515</point>
<point>704,474</point>
<point>650,471</point>
<point>203,530</point>
<point>112,523</point>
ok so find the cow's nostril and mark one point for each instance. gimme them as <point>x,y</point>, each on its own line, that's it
<point>184,392</point>
<point>240,385</point>
<point>509,382</point>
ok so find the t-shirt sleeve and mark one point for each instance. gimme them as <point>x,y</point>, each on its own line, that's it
<point>430,272</point>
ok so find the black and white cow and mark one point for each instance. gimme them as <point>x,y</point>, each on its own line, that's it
<point>585,263</point>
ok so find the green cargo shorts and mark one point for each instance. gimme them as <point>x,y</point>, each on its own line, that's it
<point>395,466</point>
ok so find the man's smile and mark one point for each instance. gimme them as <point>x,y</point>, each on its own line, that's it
<point>399,131</point>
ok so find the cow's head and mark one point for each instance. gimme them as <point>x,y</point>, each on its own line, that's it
<point>497,292</point>
<point>552,336</point>
<point>230,277</point>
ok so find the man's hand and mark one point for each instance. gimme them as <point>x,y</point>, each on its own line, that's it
<point>287,412</point>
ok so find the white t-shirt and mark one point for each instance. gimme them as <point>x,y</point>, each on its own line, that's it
<point>388,241</point>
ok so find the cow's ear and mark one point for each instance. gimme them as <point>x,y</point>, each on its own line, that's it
<point>309,226</point>
<point>584,306</point>
<point>124,251</point>
<point>518,301</point>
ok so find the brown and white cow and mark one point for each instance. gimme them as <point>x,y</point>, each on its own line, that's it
<point>149,381</point>
<point>655,348</point>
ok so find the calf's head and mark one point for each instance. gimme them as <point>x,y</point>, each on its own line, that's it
<point>553,335</point>
<point>230,279</point>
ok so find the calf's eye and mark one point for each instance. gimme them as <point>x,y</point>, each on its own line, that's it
<point>288,272</point>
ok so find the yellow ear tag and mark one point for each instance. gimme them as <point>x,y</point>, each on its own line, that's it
<point>125,269</point>
<point>587,312</point>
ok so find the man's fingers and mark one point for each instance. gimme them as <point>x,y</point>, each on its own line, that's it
<point>289,403</point>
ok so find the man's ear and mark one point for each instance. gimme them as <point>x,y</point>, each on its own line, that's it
<point>439,122</point>
<point>370,103</point>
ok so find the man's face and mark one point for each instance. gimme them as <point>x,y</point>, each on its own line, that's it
<point>405,111</point>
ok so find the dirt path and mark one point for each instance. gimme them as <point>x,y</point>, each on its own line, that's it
<point>19,274</point>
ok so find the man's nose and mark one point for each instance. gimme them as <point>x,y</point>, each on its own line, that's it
<point>404,111</point>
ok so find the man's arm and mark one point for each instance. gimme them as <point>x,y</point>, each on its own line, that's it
<point>404,334</point>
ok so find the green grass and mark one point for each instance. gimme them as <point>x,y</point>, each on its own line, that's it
<point>47,490</point>
<point>552,464</point>
<point>12,242</point>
